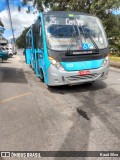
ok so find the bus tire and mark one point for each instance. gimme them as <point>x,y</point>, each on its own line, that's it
<point>1,60</point>
<point>10,55</point>
<point>41,75</point>
<point>30,64</point>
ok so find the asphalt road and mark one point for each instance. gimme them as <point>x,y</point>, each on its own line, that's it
<point>34,117</point>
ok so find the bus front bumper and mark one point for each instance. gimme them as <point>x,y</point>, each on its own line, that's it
<point>57,77</point>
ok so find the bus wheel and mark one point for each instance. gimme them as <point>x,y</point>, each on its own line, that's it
<point>41,75</point>
<point>10,55</point>
<point>1,60</point>
<point>30,64</point>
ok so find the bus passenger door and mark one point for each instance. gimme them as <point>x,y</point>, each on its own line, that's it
<point>40,63</point>
<point>39,49</point>
<point>39,56</point>
<point>32,59</point>
<point>27,56</point>
<point>28,49</point>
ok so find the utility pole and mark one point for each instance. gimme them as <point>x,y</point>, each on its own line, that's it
<point>8,4</point>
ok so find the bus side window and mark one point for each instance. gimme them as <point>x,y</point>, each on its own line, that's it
<point>29,42</point>
<point>37,34</point>
<point>40,39</point>
<point>26,44</point>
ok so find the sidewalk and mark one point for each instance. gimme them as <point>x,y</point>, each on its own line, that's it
<point>115,64</point>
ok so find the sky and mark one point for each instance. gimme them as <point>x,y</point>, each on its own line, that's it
<point>116,12</point>
<point>20,20</point>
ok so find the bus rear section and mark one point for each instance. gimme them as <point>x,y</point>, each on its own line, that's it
<point>75,49</point>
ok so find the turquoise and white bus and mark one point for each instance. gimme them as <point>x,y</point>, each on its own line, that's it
<point>66,48</point>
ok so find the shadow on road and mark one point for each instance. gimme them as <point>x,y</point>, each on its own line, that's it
<point>77,138</point>
<point>12,75</point>
<point>6,62</point>
<point>78,88</point>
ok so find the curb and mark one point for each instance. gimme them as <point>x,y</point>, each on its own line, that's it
<point>115,64</point>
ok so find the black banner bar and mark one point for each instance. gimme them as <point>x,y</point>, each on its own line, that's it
<point>59,154</point>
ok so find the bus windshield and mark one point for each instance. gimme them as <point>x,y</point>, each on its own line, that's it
<point>78,32</point>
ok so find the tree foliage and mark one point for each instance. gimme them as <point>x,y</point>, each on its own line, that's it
<point>113,32</point>
<point>97,7</point>
<point>21,39</point>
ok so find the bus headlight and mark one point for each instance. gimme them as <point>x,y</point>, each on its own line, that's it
<point>105,61</point>
<point>56,64</point>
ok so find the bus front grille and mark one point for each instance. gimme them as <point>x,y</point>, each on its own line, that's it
<point>83,77</point>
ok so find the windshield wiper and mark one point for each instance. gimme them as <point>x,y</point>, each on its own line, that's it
<point>88,36</point>
<point>71,40</point>
<point>74,37</point>
<point>85,35</point>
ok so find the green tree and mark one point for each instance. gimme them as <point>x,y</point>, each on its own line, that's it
<point>97,7</point>
<point>113,31</point>
<point>21,39</point>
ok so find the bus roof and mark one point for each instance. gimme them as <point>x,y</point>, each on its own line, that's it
<point>65,13</point>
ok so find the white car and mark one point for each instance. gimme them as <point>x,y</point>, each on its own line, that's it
<point>10,52</point>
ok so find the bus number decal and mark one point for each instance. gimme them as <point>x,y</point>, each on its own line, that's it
<point>53,20</point>
<point>70,65</point>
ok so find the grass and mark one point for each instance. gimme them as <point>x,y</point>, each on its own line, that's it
<point>115,58</point>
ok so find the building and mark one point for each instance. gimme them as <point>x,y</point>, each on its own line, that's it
<point>3,41</point>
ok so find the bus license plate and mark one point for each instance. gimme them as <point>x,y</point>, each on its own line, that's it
<point>82,73</point>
